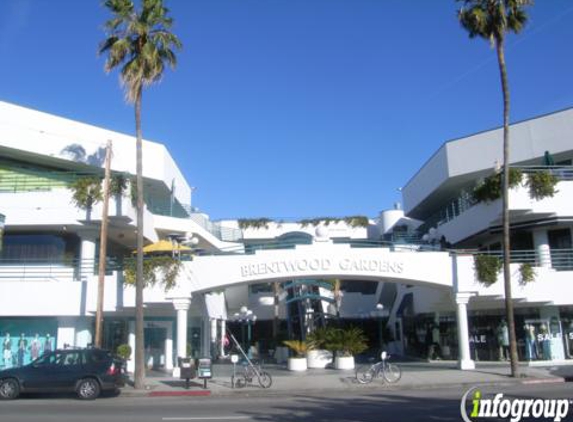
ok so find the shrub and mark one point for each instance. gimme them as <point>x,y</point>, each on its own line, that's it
<point>541,184</point>
<point>298,347</point>
<point>487,267</point>
<point>526,273</point>
<point>124,351</point>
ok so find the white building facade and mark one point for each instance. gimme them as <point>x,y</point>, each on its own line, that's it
<point>265,279</point>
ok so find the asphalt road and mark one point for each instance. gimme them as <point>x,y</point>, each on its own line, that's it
<point>418,405</point>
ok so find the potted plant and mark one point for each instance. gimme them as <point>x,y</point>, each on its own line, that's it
<point>298,361</point>
<point>317,355</point>
<point>346,343</point>
<point>124,351</point>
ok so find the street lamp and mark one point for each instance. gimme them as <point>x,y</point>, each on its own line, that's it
<point>245,317</point>
<point>380,313</point>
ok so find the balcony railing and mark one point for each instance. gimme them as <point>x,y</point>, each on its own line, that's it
<point>558,259</point>
<point>226,234</point>
<point>465,200</point>
<point>79,270</point>
<point>56,270</point>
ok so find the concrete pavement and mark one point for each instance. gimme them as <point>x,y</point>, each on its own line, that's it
<point>415,375</point>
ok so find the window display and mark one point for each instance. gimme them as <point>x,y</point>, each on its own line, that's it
<point>22,341</point>
<point>543,339</point>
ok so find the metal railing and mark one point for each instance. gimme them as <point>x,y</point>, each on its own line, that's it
<point>558,259</point>
<point>55,270</point>
<point>78,269</point>
<point>226,234</point>
<point>464,201</point>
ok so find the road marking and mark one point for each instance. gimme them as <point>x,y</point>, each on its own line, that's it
<point>204,418</point>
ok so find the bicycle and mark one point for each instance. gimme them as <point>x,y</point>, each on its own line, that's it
<point>251,371</point>
<point>389,371</point>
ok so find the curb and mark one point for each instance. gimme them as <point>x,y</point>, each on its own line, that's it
<point>343,389</point>
<point>179,393</point>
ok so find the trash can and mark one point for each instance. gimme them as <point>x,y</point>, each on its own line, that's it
<point>186,370</point>
<point>204,370</point>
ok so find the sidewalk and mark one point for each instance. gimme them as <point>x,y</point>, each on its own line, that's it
<point>415,375</point>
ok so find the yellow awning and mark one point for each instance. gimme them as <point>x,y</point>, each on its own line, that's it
<point>165,246</point>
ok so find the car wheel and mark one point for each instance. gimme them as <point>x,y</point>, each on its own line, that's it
<point>9,389</point>
<point>88,389</point>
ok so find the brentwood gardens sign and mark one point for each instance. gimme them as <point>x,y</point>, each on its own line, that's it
<point>322,265</point>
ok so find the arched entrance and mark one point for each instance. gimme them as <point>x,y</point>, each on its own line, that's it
<point>325,260</point>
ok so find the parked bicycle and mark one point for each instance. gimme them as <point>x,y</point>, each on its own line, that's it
<point>251,372</point>
<point>389,371</point>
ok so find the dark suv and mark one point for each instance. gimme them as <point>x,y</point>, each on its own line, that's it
<point>87,372</point>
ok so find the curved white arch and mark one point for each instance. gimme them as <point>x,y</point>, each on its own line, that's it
<point>207,273</point>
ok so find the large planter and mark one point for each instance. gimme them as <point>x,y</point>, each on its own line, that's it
<point>344,362</point>
<point>318,359</point>
<point>297,364</point>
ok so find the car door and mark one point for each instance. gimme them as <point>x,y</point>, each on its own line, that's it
<point>69,370</point>
<point>40,374</point>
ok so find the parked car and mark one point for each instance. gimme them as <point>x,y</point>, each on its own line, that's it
<point>87,372</point>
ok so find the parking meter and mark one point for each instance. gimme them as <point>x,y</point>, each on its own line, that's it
<point>234,360</point>
<point>187,370</point>
<point>205,370</point>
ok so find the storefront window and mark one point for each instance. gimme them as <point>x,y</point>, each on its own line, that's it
<point>24,340</point>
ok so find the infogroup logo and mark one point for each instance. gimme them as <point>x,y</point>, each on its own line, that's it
<point>513,409</point>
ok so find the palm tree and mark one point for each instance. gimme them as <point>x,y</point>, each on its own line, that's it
<point>139,41</point>
<point>492,20</point>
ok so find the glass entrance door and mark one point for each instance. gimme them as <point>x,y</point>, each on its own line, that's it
<point>155,347</point>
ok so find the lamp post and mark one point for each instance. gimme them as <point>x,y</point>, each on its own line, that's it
<point>380,313</point>
<point>245,317</point>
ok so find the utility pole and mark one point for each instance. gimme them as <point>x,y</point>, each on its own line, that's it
<point>103,248</point>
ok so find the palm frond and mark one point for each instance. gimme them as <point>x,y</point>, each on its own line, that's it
<point>140,41</point>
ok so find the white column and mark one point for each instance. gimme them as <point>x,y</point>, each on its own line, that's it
<point>182,307</point>
<point>223,333</point>
<point>169,348</point>
<point>66,333</point>
<point>213,343</point>
<point>541,242</point>
<point>131,341</point>
<point>88,250</point>
<point>465,361</point>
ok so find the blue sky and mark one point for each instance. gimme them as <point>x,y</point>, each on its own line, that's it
<point>294,108</point>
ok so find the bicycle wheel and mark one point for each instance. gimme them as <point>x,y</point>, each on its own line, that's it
<point>365,374</point>
<point>239,381</point>
<point>392,373</point>
<point>265,379</point>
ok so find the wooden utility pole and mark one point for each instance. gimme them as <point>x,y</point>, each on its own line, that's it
<point>103,248</point>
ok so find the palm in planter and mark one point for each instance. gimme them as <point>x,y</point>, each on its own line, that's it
<point>346,343</point>
<point>318,355</point>
<point>300,349</point>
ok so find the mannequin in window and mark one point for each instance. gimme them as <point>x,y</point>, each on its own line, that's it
<point>530,346</point>
<point>47,344</point>
<point>22,345</point>
<point>503,340</point>
<point>545,342</point>
<point>35,347</point>
<point>7,351</point>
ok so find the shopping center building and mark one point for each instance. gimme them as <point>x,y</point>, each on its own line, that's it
<point>407,276</point>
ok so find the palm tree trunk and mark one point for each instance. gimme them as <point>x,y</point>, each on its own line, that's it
<point>505,216</point>
<point>103,249</point>
<point>139,376</point>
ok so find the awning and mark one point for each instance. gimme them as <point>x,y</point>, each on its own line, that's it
<point>165,246</point>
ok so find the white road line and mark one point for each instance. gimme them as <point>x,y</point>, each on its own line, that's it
<point>205,418</point>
